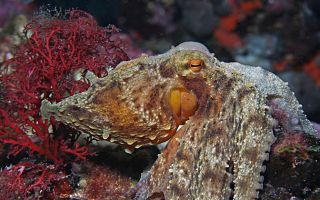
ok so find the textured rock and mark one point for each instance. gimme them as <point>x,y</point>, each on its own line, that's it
<point>100,182</point>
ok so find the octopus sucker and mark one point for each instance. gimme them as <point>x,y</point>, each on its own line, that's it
<point>222,109</point>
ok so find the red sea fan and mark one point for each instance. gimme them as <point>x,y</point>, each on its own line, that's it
<point>45,66</point>
<point>56,50</point>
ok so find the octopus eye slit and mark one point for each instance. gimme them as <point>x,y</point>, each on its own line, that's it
<point>195,65</point>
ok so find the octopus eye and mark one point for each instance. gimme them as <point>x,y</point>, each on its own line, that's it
<point>195,65</point>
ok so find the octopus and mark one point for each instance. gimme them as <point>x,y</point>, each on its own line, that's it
<point>216,115</point>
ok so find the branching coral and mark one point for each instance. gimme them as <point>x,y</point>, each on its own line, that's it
<point>50,64</point>
<point>54,51</point>
<point>44,67</point>
<point>38,140</point>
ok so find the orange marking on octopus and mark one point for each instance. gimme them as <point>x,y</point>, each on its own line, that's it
<point>183,104</point>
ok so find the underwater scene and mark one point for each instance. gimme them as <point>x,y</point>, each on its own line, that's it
<point>159,100</point>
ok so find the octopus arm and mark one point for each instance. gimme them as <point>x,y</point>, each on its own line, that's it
<point>252,143</point>
<point>271,85</point>
<point>197,169</point>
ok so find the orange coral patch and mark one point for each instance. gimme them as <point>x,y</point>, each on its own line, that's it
<point>228,39</point>
<point>229,23</point>
<point>312,68</point>
<point>281,66</point>
<point>250,5</point>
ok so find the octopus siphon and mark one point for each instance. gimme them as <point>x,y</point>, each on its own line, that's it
<point>222,110</point>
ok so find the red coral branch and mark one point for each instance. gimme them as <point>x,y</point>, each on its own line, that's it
<point>44,67</point>
<point>80,152</point>
<point>55,49</point>
<point>39,140</point>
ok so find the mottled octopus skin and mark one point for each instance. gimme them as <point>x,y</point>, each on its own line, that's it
<point>218,153</point>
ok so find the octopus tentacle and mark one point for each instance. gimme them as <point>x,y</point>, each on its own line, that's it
<point>174,173</point>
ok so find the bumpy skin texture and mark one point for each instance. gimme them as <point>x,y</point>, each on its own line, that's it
<point>220,150</point>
